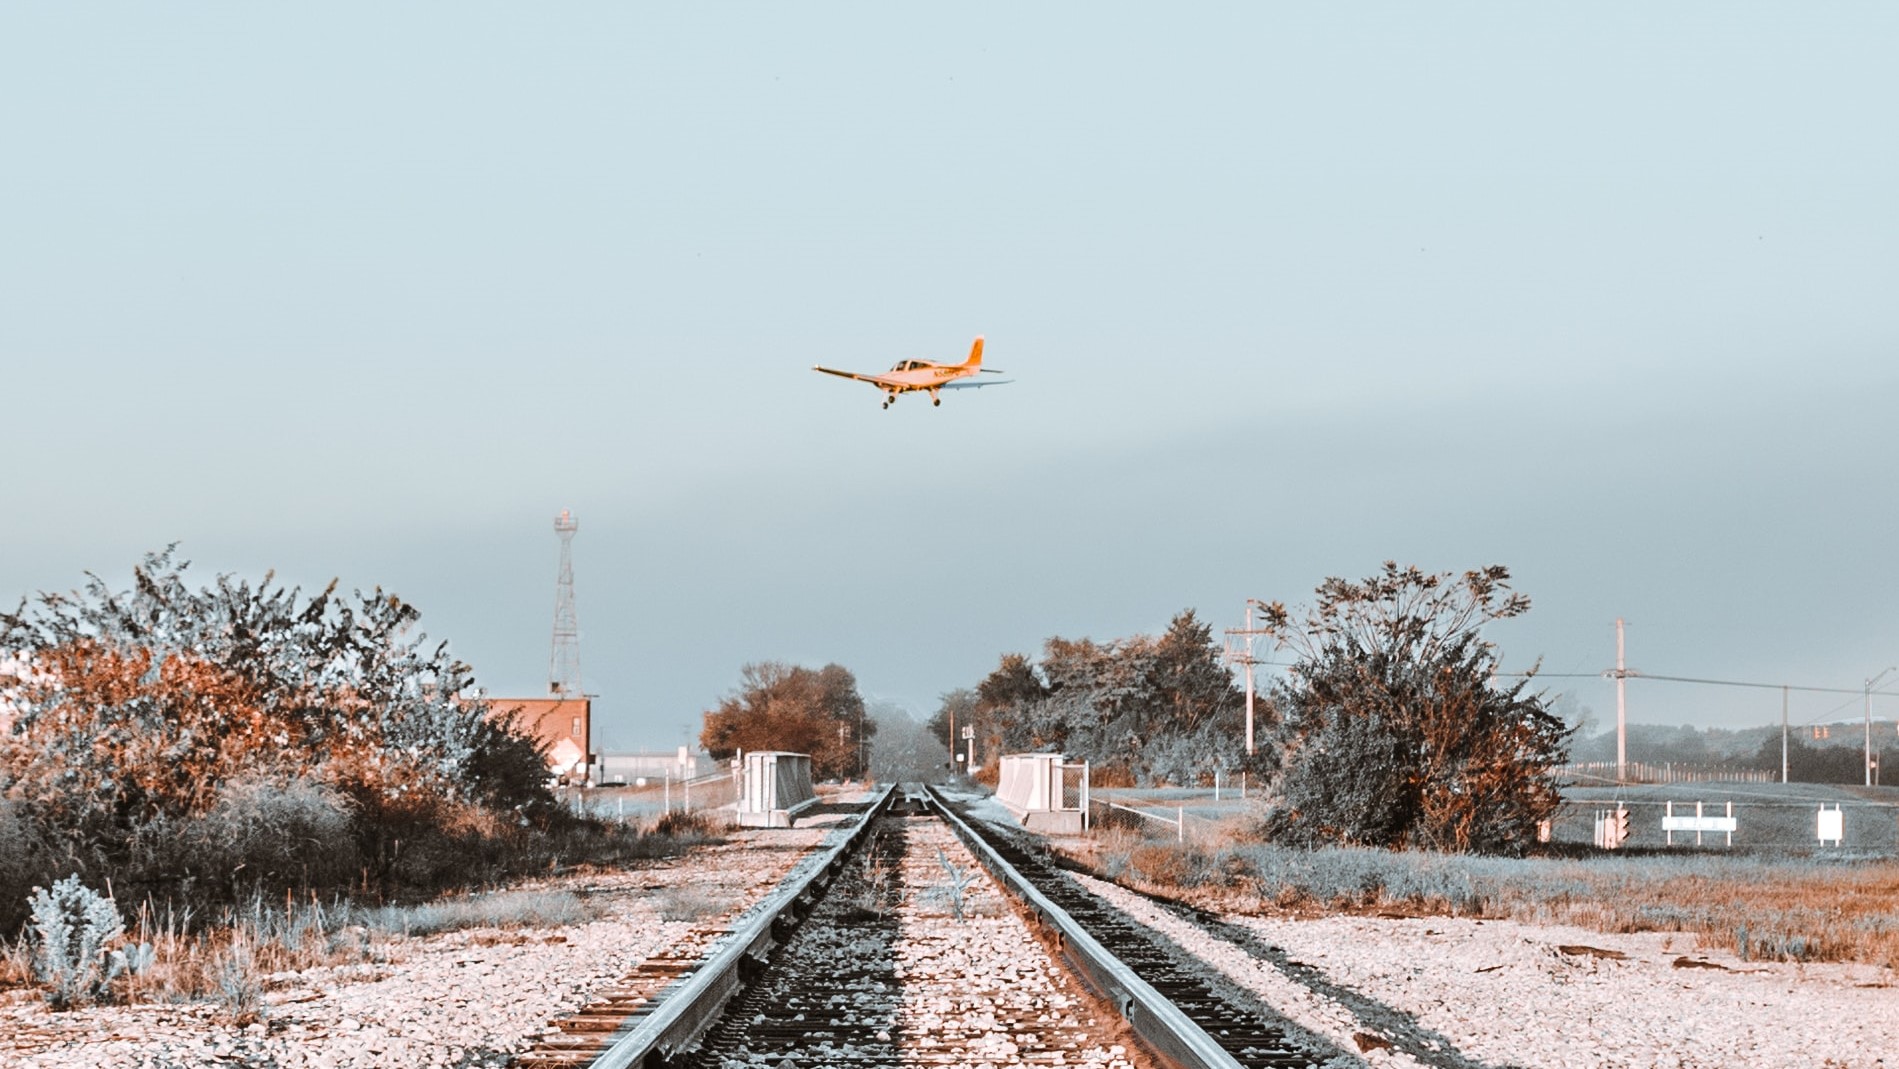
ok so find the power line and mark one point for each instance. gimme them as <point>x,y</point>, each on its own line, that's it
<point>1633,674</point>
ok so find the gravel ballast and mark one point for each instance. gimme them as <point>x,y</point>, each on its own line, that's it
<point>1452,991</point>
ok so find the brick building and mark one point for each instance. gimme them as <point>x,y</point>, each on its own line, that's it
<point>563,725</point>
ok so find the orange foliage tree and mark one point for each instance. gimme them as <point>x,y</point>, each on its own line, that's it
<point>792,708</point>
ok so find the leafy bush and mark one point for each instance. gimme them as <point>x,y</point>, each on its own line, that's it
<point>74,925</point>
<point>1339,785</point>
<point>1395,731</point>
<point>272,835</point>
<point>19,863</point>
<point>202,742</point>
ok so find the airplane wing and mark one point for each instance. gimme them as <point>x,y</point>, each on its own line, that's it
<point>971,384</point>
<point>875,380</point>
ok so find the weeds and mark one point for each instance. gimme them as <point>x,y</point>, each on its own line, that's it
<point>503,909</point>
<point>875,891</point>
<point>240,986</point>
<point>690,904</point>
<point>173,959</point>
<point>954,888</point>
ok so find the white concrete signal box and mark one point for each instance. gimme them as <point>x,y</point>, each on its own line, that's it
<point>774,787</point>
<point>1032,786</point>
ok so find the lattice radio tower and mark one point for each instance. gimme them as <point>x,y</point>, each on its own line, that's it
<point>563,663</point>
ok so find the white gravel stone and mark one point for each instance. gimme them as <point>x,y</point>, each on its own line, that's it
<point>1502,993</point>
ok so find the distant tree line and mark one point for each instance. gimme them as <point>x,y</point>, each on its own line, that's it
<point>1843,764</point>
<point>1839,758</point>
<point>1391,727</point>
<point>1145,709</point>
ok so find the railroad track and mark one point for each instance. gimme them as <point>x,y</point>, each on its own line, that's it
<point>922,937</point>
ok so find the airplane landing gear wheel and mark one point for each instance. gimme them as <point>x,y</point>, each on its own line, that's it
<point>936,400</point>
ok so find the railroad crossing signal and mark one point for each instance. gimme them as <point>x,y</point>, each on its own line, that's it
<point>1612,828</point>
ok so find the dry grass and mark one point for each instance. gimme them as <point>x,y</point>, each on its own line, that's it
<point>692,904</point>
<point>219,952</point>
<point>226,962</point>
<point>1791,909</point>
<point>1759,910</point>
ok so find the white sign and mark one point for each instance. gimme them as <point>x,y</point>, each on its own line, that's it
<point>1832,825</point>
<point>1698,824</point>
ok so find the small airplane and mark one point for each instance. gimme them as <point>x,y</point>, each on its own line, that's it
<point>908,375</point>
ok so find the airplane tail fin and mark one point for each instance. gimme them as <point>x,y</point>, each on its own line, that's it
<point>975,354</point>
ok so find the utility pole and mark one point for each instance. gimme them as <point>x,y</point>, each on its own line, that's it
<point>1620,674</point>
<point>1870,684</point>
<point>1783,733</point>
<point>1243,654</point>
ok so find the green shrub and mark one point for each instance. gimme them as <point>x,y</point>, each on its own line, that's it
<point>240,984</point>
<point>271,835</point>
<point>20,861</point>
<point>74,925</point>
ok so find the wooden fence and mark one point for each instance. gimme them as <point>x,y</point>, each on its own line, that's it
<point>1588,772</point>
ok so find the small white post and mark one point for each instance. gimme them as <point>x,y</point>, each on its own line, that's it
<point>1668,821</point>
<point>1216,784</point>
<point>1180,814</point>
<point>1084,796</point>
<point>1697,823</point>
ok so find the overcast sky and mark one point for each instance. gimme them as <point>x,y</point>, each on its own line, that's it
<point>1604,293</point>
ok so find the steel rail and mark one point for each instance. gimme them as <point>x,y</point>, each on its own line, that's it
<point>685,1010</point>
<point>1159,1023</point>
